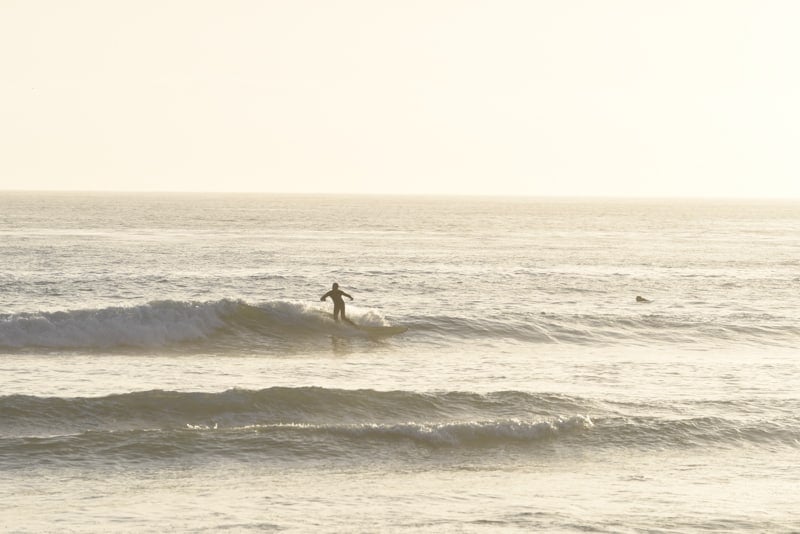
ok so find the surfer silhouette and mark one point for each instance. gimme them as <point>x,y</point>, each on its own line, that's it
<point>336,295</point>
<point>641,299</point>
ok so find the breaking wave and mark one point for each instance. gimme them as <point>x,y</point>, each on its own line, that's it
<point>173,323</point>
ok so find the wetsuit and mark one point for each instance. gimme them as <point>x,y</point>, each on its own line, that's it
<point>338,302</point>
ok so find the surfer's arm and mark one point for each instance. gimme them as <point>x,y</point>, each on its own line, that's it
<point>346,295</point>
<point>326,295</point>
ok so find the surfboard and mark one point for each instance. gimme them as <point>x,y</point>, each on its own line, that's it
<point>374,331</point>
<point>382,330</point>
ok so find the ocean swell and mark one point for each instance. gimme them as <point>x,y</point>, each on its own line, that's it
<point>616,328</point>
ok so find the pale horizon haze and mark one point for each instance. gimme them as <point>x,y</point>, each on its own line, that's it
<point>576,98</point>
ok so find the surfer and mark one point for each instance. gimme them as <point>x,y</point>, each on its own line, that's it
<point>641,299</point>
<point>336,295</point>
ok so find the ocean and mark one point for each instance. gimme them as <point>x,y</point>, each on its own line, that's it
<point>166,364</point>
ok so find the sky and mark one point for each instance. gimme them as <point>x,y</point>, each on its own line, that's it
<point>634,98</point>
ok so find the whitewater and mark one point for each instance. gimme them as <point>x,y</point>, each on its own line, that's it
<point>166,364</point>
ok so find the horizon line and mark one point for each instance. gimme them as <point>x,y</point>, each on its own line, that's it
<point>415,194</point>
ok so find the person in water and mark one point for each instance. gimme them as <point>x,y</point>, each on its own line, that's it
<point>336,295</point>
<point>641,299</point>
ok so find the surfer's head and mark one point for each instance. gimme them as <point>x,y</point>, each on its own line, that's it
<point>335,285</point>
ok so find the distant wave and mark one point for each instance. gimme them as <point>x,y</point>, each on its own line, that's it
<point>326,424</point>
<point>236,325</point>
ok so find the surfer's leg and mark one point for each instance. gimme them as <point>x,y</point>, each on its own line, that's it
<point>345,319</point>
<point>336,311</point>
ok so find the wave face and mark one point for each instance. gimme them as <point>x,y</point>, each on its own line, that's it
<point>236,325</point>
<point>327,424</point>
<point>154,324</point>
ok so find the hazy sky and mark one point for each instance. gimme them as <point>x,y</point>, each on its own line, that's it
<point>632,98</point>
